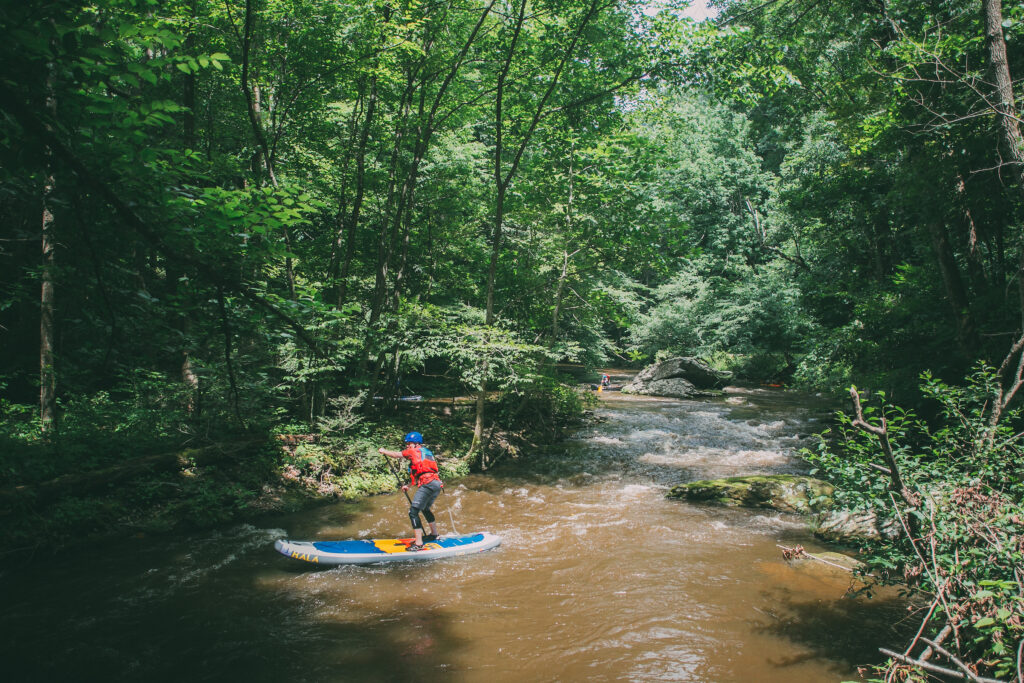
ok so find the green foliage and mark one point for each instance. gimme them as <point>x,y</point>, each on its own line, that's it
<point>341,416</point>
<point>713,307</point>
<point>544,407</point>
<point>96,431</point>
<point>968,524</point>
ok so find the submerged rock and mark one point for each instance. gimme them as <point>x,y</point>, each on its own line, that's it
<point>676,378</point>
<point>829,559</point>
<point>783,492</point>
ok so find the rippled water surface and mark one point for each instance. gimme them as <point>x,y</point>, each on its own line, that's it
<point>599,577</point>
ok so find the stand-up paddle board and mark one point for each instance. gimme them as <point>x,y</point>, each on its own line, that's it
<point>372,551</point>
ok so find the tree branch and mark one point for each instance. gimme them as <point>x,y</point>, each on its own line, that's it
<point>934,668</point>
<point>883,438</point>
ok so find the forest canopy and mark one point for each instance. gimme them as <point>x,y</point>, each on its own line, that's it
<point>261,205</point>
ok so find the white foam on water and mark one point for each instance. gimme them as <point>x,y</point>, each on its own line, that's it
<point>604,440</point>
<point>637,490</point>
<point>651,435</point>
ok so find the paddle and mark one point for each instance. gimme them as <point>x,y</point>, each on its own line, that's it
<point>401,483</point>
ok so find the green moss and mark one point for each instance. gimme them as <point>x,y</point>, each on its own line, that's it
<point>784,492</point>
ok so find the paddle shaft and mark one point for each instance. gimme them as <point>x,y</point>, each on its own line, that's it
<point>397,476</point>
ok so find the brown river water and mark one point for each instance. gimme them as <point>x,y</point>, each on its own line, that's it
<point>599,577</point>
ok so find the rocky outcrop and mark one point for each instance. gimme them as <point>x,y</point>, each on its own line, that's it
<point>845,526</point>
<point>792,493</point>
<point>783,492</point>
<point>677,378</point>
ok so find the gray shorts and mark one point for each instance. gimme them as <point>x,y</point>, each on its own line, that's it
<point>426,495</point>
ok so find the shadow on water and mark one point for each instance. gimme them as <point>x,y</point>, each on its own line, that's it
<point>225,645</point>
<point>854,628</point>
<point>245,630</point>
<point>217,605</point>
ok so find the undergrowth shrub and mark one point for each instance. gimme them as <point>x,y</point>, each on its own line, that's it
<point>962,546</point>
<point>546,407</point>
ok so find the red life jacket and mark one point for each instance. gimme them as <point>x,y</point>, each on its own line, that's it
<point>422,466</point>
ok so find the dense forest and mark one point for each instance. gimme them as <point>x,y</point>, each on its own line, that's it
<point>230,220</point>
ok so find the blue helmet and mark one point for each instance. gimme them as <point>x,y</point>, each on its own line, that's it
<point>414,437</point>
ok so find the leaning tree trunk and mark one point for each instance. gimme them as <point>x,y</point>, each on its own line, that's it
<point>503,180</point>
<point>1006,106</point>
<point>254,109</point>
<point>1009,119</point>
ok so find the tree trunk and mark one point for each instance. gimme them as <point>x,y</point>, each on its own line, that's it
<point>47,318</point>
<point>565,252</point>
<point>956,294</point>
<point>478,426</point>
<point>558,295</point>
<point>47,299</point>
<point>229,366</point>
<point>189,90</point>
<point>385,238</point>
<point>1006,107</point>
<point>254,110</point>
<point>350,225</point>
<point>503,180</point>
<point>188,375</point>
<point>975,261</point>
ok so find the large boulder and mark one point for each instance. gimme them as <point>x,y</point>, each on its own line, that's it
<point>783,492</point>
<point>677,378</point>
<point>672,388</point>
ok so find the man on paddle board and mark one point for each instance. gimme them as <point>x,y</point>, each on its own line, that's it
<point>423,473</point>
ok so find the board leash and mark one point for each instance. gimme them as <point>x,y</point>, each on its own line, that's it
<point>452,518</point>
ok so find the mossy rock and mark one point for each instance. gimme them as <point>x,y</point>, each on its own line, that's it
<point>783,492</point>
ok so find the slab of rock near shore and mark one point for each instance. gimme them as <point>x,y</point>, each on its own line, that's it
<point>783,492</point>
<point>847,526</point>
<point>677,378</point>
<point>792,493</point>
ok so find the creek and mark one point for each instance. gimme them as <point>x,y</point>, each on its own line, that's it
<point>599,577</point>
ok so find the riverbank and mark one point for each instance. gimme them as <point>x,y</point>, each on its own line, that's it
<point>245,476</point>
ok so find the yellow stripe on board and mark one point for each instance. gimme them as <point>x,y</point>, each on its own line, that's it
<point>390,545</point>
<point>395,545</point>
